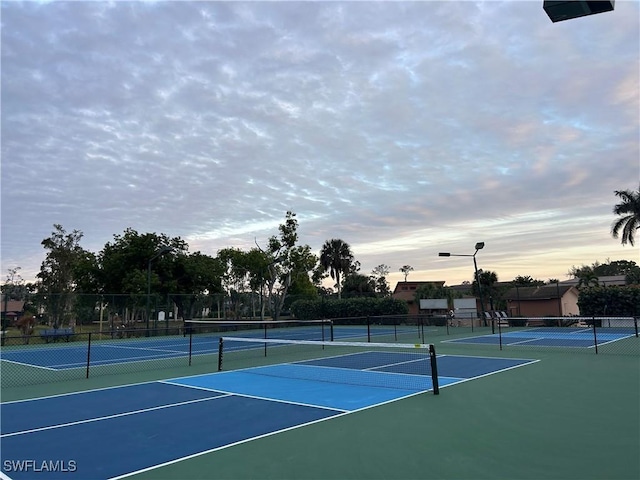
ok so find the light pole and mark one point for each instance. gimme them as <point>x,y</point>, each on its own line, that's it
<point>162,251</point>
<point>479,246</point>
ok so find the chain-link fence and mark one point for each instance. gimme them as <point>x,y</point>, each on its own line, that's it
<point>61,354</point>
<point>593,335</point>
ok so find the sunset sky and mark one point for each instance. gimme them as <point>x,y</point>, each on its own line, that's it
<point>402,128</point>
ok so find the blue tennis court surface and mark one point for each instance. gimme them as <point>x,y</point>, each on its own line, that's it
<point>549,337</point>
<point>110,352</point>
<point>116,432</point>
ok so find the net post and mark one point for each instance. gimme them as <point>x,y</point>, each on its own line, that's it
<point>331,328</point>
<point>595,337</point>
<point>190,345</point>
<point>88,354</point>
<point>220,349</point>
<point>500,334</point>
<point>369,329</point>
<point>635,325</point>
<point>434,369</point>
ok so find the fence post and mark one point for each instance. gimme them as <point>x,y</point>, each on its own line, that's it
<point>434,370</point>
<point>220,349</point>
<point>88,354</point>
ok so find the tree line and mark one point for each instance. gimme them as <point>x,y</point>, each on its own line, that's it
<point>240,283</point>
<point>138,266</point>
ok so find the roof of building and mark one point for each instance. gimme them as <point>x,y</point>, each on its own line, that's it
<point>603,280</point>
<point>542,292</point>
<point>407,290</point>
<point>12,306</point>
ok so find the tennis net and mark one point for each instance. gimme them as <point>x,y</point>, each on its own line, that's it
<point>388,365</point>
<point>321,330</point>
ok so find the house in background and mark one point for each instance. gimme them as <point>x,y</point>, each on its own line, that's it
<point>10,310</point>
<point>407,291</point>
<point>603,281</point>
<point>554,300</point>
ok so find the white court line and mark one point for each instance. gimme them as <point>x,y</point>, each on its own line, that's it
<point>29,365</point>
<point>421,359</point>
<point>144,348</point>
<point>78,392</point>
<point>107,417</point>
<point>236,394</point>
<point>265,435</point>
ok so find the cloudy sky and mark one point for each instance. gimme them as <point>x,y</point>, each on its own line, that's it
<point>403,128</point>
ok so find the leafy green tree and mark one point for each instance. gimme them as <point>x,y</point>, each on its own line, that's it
<point>358,285</point>
<point>14,286</point>
<point>434,290</point>
<point>405,269</point>
<point>235,278</point>
<point>124,264</point>
<point>58,272</point>
<point>628,268</point>
<point>336,258</point>
<point>629,212</point>
<point>616,267</point>
<point>379,276</point>
<point>301,288</point>
<point>587,278</point>
<point>633,277</point>
<point>526,281</point>
<point>612,300</point>
<point>196,281</point>
<point>288,260</point>
<point>487,290</point>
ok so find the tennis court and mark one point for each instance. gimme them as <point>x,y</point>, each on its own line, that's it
<point>140,427</point>
<point>549,337</point>
<point>123,351</point>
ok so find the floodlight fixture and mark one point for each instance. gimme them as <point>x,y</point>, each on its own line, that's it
<point>567,10</point>
<point>479,246</point>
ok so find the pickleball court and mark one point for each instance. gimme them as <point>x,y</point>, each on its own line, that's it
<point>116,432</point>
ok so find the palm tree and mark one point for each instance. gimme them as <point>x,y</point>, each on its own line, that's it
<point>336,257</point>
<point>485,290</point>
<point>629,211</point>
<point>588,278</point>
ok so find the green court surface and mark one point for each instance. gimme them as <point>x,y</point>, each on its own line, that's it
<point>568,416</point>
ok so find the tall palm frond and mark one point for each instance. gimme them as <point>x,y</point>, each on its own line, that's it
<point>629,211</point>
<point>336,257</point>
